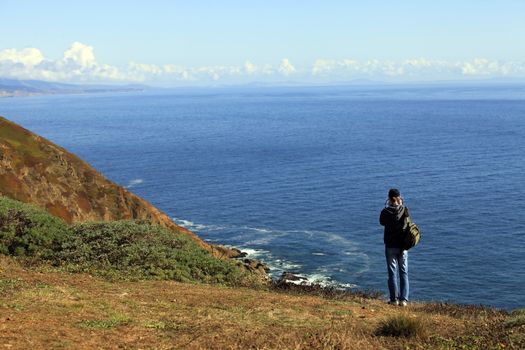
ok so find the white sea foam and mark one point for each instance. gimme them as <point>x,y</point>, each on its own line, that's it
<point>277,265</point>
<point>259,241</point>
<point>197,227</point>
<point>185,223</point>
<point>254,253</point>
<point>134,182</point>
<point>325,280</point>
<point>288,265</point>
<point>261,230</point>
<point>250,251</point>
<point>321,279</point>
<point>256,240</point>
<point>347,285</point>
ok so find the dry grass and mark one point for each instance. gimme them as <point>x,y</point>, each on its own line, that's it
<point>401,326</point>
<point>55,310</point>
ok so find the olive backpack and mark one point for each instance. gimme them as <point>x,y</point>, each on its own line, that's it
<point>412,234</point>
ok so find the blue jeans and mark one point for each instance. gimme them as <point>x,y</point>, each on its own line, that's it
<point>397,257</point>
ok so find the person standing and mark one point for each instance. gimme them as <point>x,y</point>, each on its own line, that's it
<point>392,217</point>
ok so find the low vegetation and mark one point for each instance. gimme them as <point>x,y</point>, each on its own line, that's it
<point>28,231</point>
<point>517,319</point>
<point>137,250</point>
<point>401,326</point>
<point>111,322</point>
<point>117,250</point>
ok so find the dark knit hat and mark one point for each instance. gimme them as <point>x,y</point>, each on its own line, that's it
<point>393,192</point>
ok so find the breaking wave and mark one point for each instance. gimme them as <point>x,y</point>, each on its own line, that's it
<point>320,257</point>
<point>134,182</point>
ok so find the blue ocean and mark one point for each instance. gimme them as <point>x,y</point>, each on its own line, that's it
<point>297,176</point>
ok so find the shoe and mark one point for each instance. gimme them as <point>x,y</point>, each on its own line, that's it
<point>403,303</point>
<point>394,302</point>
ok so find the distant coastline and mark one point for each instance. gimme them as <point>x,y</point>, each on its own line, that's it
<point>24,88</point>
<point>469,88</point>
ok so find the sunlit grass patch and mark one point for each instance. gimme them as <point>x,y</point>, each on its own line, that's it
<point>166,325</point>
<point>9,285</point>
<point>47,294</point>
<point>14,306</point>
<point>459,311</point>
<point>343,313</point>
<point>516,319</point>
<point>114,321</point>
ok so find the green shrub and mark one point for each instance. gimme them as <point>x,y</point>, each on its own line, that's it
<point>400,326</point>
<point>26,230</point>
<point>132,249</point>
<point>118,249</point>
<point>516,319</point>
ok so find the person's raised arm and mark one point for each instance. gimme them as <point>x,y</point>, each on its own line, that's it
<point>382,218</point>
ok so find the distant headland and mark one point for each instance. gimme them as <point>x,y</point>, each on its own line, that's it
<point>15,88</point>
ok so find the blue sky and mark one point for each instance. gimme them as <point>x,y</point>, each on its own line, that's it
<point>210,42</point>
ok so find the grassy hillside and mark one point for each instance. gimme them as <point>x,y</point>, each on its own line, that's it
<point>44,308</point>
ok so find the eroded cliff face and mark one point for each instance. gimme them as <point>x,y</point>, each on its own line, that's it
<point>34,170</point>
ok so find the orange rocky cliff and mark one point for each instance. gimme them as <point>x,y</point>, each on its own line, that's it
<point>34,170</point>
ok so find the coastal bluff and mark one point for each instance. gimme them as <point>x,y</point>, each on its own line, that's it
<point>34,170</point>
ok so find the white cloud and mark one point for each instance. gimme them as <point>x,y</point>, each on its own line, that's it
<point>286,68</point>
<point>29,56</point>
<point>265,69</point>
<point>250,68</point>
<point>177,72</point>
<point>215,72</point>
<point>323,66</point>
<point>141,71</point>
<point>78,64</point>
<point>484,67</point>
<point>80,54</point>
<point>418,68</point>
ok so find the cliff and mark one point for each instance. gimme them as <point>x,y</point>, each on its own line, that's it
<point>35,170</point>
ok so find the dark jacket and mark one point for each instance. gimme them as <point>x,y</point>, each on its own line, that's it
<point>393,218</point>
